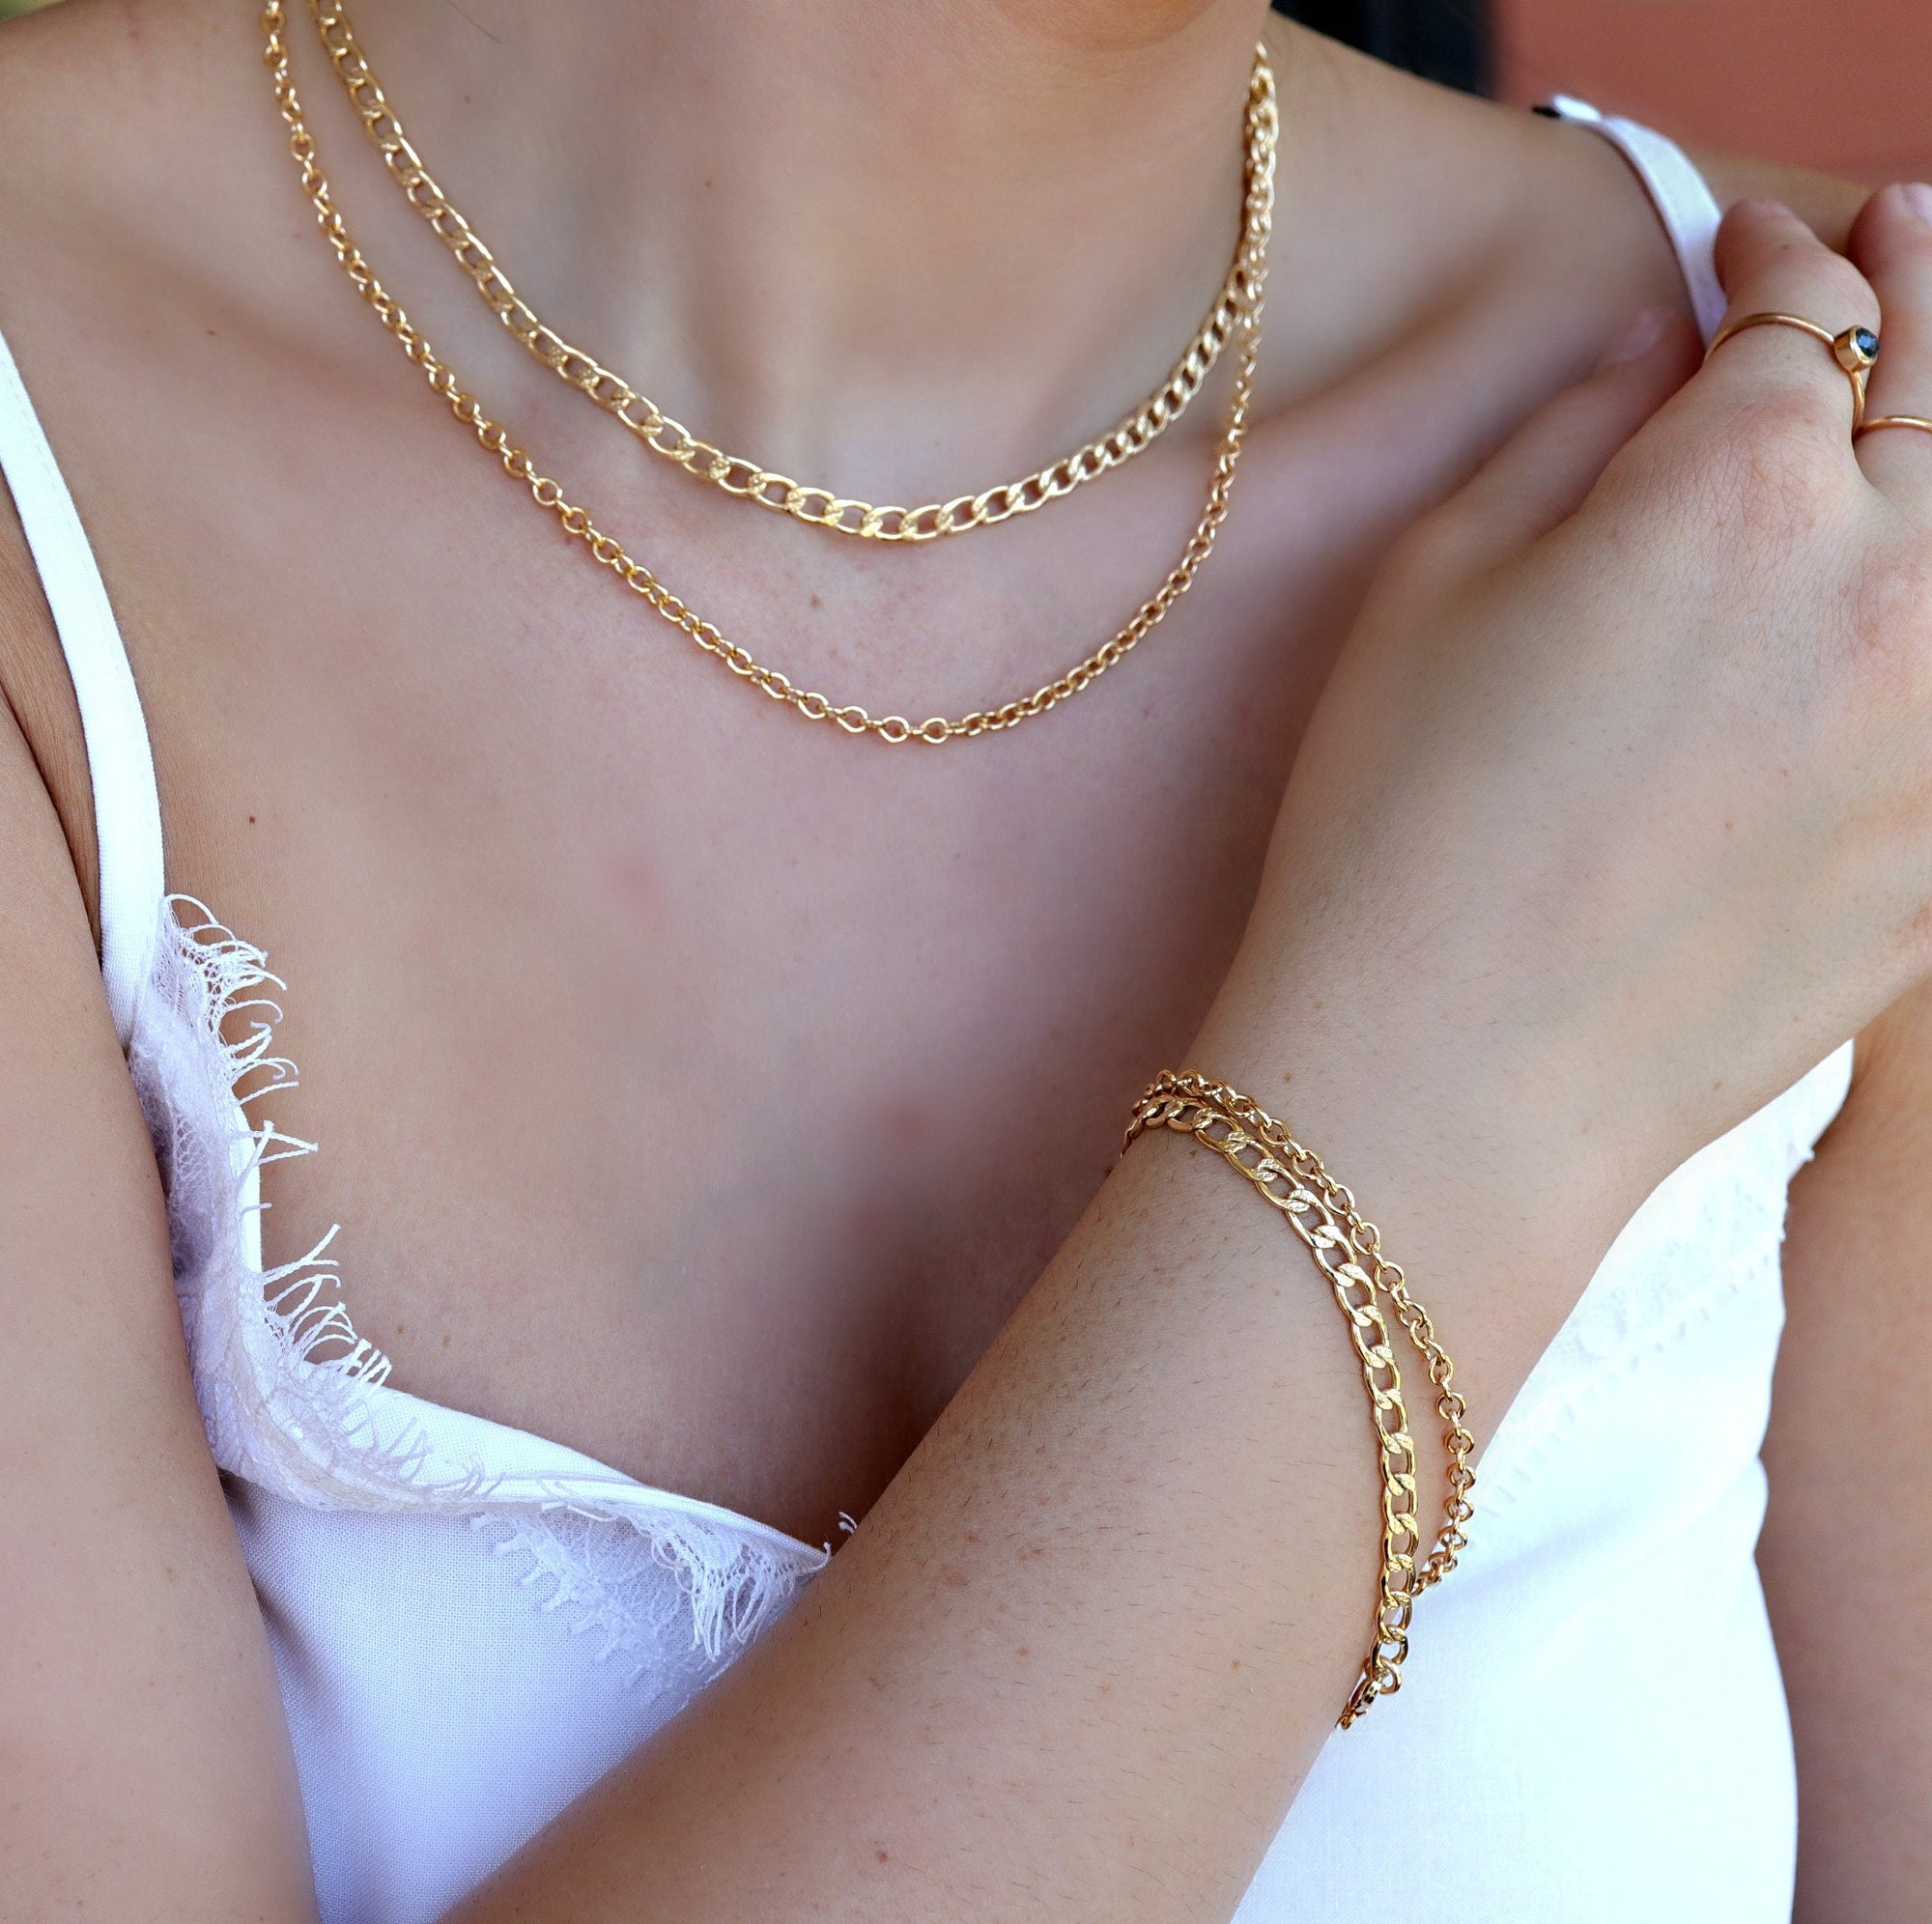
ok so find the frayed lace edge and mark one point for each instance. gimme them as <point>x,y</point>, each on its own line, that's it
<point>279,1367</point>
<point>733,1588</point>
<point>310,1435</point>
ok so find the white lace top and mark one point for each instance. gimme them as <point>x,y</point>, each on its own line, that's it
<point>471,1623</point>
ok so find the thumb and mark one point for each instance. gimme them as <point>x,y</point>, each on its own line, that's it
<point>1546,470</point>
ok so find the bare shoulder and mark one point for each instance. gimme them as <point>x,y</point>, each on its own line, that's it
<point>96,59</point>
<point>44,60</point>
<point>1828,204</point>
<point>110,114</point>
<point>1452,211</point>
<point>99,98</point>
<point>1538,200</point>
<point>114,52</point>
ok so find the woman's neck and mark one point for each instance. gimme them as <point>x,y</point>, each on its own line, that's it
<point>845,236</point>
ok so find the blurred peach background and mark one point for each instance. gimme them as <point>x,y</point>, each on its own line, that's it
<point>1842,85</point>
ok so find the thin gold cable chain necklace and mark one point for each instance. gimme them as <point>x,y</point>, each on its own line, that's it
<point>1262,124</point>
<point>672,440</point>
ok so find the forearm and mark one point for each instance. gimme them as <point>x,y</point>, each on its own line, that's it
<point>1078,1659</point>
<point>1847,1552</point>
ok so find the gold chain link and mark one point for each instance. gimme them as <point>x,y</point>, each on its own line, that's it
<point>610,552</point>
<point>1348,1251</point>
<point>745,479</point>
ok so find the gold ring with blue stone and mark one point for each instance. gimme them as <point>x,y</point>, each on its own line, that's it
<point>1855,349</point>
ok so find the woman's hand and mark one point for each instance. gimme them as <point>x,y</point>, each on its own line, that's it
<point>1610,824</point>
<point>1617,816</point>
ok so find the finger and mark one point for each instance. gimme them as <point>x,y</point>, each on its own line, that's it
<point>1892,241</point>
<point>1773,264</point>
<point>1543,473</point>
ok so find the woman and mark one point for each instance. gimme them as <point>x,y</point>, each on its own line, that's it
<point>719,1105</point>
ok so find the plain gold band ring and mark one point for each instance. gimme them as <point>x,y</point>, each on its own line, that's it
<point>1878,421</point>
<point>1855,350</point>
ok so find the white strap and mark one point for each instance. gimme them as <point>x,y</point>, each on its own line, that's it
<point>127,804</point>
<point>1685,205</point>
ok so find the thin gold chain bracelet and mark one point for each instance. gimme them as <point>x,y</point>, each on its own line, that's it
<point>736,476</point>
<point>1347,1249</point>
<point>608,552</point>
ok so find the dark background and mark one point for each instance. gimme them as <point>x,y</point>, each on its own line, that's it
<point>1842,85</point>
<point>1447,39</point>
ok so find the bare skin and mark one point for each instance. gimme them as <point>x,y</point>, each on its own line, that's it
<point>1846,1553</point>
<point>539,881</point>
<point>548,800</point>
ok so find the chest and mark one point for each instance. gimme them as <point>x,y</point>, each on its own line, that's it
<point>695,1087</point>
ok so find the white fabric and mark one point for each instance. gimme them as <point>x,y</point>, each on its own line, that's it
<point>1686,205</point>
<point>120,766</point>
<point>1591,1725</point>
<point>471,1623</point>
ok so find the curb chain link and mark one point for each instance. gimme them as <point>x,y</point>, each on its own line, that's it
<point>608,552</point>
<point>1348,1251</point>
<point>670,439</point>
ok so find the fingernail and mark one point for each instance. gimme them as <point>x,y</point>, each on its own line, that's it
<point>1918,197</point>
<point>1640,334</point>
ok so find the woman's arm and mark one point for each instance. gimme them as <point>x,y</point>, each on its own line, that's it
<point>1601,836</point>
<point>1847,1552</point>
<point>1608,826</point>
<point>1847,1548</point>
<point>143,1763</point>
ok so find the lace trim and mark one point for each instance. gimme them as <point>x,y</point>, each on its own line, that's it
<point>587,1563</point>
<point>293,1400</point>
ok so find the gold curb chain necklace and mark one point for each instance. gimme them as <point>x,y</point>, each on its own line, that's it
<point>673,442</point>
<point>1243,290</point>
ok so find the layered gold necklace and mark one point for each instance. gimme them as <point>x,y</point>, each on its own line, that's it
<point>1234,315</point>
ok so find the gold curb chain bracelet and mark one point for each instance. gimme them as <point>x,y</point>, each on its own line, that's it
<point>1348,1251</point>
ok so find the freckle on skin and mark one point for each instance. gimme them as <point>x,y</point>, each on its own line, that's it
<point>882,1856</point>
<point>635,883</point>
